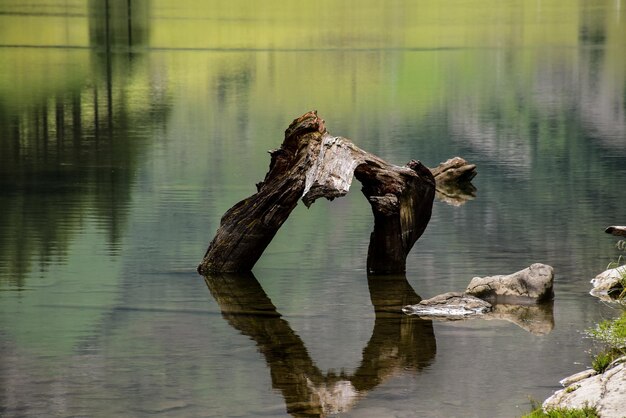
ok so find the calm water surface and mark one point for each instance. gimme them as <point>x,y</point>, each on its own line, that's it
<point>128,127</point>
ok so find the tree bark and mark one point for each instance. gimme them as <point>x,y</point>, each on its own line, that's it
<point>401,199</point>
<point>311,164</point>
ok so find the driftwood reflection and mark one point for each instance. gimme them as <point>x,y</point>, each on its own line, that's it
<point>453,179</point>
<point>398,343</point>
<point>455,194</point>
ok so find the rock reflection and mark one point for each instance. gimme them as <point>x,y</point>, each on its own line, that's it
<point>398,343</point>
<point>536,319</point>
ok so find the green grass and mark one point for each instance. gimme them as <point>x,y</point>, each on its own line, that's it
<point>584,412</point>
<point>602,360</point>
<point>611,333</point>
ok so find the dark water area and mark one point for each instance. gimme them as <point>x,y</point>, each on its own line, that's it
<point>127,128</point>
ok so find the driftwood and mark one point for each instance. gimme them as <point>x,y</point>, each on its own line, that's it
<point>619,231</point>
<point>311,164</point>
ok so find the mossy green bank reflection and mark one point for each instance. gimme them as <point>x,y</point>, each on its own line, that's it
<point>120,153</point>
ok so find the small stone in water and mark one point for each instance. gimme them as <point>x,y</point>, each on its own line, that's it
<point>451,304</point>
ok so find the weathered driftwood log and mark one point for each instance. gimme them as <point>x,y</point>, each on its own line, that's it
<point>311,164</point>
<point>454,170</point>
<point>401,199</point>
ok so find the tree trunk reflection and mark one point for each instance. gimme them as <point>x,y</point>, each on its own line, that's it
<point>398,343</point>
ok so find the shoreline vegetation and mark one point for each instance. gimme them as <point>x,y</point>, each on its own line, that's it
<point>580,397</point>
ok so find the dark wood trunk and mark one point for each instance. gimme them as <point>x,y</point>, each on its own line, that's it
<point>311,164</point>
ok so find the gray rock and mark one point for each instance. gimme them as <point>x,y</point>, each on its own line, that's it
<point>577,377</point>
<point>608,283</point>
<point>452,305</point>
<point>606,392</point>
<point>535,282</point>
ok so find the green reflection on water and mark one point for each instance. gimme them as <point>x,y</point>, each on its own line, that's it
<point>68,119</point>
<point>70,146</point>
<point>72,120</point>
<point>534,92</point>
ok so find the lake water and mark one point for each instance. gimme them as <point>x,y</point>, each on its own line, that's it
<point>127,128</point>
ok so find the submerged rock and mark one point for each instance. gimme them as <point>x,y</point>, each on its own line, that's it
<point>535,282</point>
<point>453,305</point>
<point>606,392</point>
<point>609,284</point>
<point>536,319</point>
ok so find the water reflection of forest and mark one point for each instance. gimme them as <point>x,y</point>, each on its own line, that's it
<point>70,151</point>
